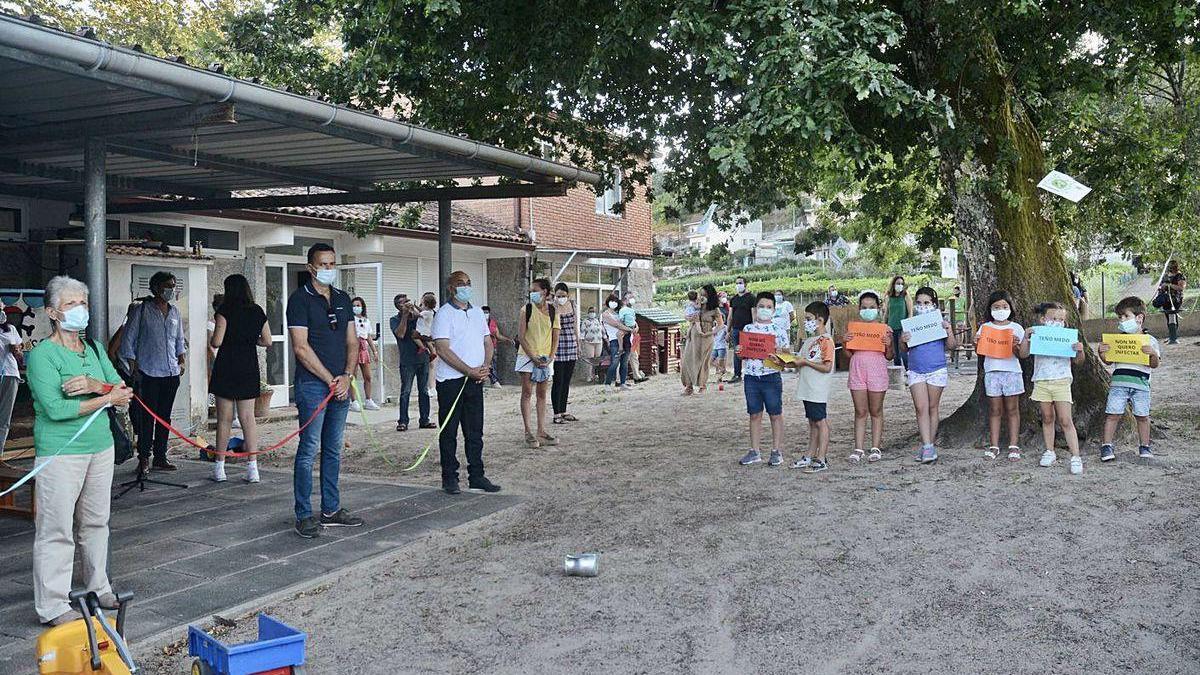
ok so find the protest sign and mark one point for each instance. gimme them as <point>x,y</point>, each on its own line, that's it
<point>1053,341</point>
<point>1064,186</point>
<point>756,345</point>
<point>949,260</point>
<point>994,342</point>
<point>1125,348</point>
<point>924,328</point>
<point>863,336</point>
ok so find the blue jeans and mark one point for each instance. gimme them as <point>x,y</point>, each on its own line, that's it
<point>324,434</point>
<point>616,362</point>
<point>420,372</point>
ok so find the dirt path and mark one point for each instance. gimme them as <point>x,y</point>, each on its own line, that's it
<point>708,567</point>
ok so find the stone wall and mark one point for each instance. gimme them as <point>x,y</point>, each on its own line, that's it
<point>507,294</point>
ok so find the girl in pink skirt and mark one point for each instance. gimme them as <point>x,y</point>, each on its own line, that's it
<point>868,383</point>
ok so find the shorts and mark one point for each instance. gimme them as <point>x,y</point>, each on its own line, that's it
<point>525,364</point>
<point>719,353</point>
<point>1121,397</point>
<point>815,411</point>
<point>1003,383</point>
<point>364,352</point>
<point>763,392</point>
<point>1052,391</point>
<point>938,378</point>
<point>869,374</point>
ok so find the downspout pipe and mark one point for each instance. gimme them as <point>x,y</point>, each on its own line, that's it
<point>93,55</point>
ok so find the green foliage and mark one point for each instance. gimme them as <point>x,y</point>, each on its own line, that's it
<point>812,238</point>
<point>718,257</point>
<point>809,288</point>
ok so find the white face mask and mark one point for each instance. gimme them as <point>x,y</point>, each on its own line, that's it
<point>629,301</point>
<point>741,288</point>
<point>326,277</point>
<point>778,299</point>
<point>1054,322</point>
<point>899,287</point>
<point>1128,326</point>
<point>923,309</point>
<point>810,326</point>
<point>1001,314</point>
<point>765,313</point>
<point>591,315</point>
<point>357,310</point>
<point>612,304</point>
<point>561,301</point>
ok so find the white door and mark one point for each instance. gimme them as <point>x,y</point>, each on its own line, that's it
<point>365,280</point>
<point>278,366</point>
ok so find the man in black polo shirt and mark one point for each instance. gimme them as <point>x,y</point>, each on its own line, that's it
<point>414,362</point>
<point>324,341</point>
<point>743,313</point>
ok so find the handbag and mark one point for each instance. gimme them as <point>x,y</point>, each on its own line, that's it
<point>119,425</point>
<point>1160,301</point>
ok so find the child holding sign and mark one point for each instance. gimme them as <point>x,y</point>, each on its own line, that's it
<point>1052,384</point>
<point>1130,381</point>
<point>763,387</point>
<point>816,370</point>
<point>927,374</point>
<point>869,344</point>
<point>999,342</point>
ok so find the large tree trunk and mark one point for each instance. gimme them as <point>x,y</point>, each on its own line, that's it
<point>1006,237</point>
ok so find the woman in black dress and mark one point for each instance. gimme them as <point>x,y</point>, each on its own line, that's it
<point>1173,283</point>
<point>241,326</point>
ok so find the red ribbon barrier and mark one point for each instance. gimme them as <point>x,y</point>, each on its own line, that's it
<point>230,453</point>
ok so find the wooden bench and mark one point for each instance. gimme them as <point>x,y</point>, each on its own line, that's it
<point>9,475</point>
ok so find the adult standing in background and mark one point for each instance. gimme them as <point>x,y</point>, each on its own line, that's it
<point>899,307</point>
<point>743,303</point>
<point>71,379</point>
<point>414,362</point>
<point>591,341</point>
<point>1079,293</point>
<point>10,375</point>
<point>537,333</point>
<point>565,355</point>
<point>367,354</point>
<point>325,344</point>
<point>465,349</point>
<point>614,333</point>
<point>834,298</point>
<point>157,352</point>
<point>240,327</point>
<point>785,315</point>
<point>1174,283</point>
<point>497,337</point>
<point>697,352</point>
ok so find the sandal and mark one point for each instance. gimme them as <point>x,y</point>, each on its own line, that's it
<point>570,418</point>
<point>1014,453</point>
<point>558,420</point>
<point>875,455</point>
<point>856,456</point>
<point>547,439</point>
<point>532,441</point>
<point>991,453</point>
<point>401,426</point>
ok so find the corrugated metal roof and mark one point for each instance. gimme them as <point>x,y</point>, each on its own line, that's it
<point>165,135</point>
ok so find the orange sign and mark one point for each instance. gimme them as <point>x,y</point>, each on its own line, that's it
<point>756,345</point>
<point>995,342</point>
<point>863,336</point>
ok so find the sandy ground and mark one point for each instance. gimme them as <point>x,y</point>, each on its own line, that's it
<point>709,567</point>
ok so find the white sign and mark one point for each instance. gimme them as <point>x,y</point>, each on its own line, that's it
<point>838,253</point>
<point>1064,186</point>
<point>949,263</point>
<point>922,328</point>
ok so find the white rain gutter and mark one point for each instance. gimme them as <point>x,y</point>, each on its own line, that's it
<point>93,55</point>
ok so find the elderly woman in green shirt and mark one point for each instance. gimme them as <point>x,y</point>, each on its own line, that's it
<point>70,379</point>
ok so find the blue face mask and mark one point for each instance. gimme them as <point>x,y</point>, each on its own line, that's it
<point>1128,326</point>
<point>535,297</point>
<point>327,277</point>
<point>869,313</point>
<point>462,294</point>
<point>765,313</point>
<point>75,319</point>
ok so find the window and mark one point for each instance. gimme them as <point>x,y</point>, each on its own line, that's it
<point>223,240</point>
<point>606,203</point>
<point>171,235</point>
<point>299,246</point>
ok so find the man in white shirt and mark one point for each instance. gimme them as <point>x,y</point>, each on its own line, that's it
<point>464,348</point>
<point>10,376</point>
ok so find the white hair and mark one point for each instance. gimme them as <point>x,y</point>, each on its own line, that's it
<point>61,285</point>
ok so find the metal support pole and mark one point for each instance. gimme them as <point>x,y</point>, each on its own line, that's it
<point>94,196</point>
<point>444,259</point>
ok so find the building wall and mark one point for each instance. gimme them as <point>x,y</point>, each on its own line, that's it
<point>506,280</point>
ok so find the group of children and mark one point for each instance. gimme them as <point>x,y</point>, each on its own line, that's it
<point>927,377</point>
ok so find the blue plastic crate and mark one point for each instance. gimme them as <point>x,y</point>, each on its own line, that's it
<point>278,645</point>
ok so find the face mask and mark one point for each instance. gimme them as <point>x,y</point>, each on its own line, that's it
<point>923,309</point>
<point>75,319</point>
<point>833,294</point>
<point>1001,314</point>
<point>700,302</point>
<point>810,326</point>
<point>1128,326</point>
<point>869,313</point>
<point>724,301</point>
<point>1056,323</point>
<point>326,277</point>
<point>535,297</point>
<point>487,315</point>
<point>591,315</point>
<point>166,293</point>
<point>629,302</point>
<point>357,310</point>
<point>612,304</point>
<point>561,301</point>
<point>778,299</point>
<point>765,313</point>
<point>899,288</point>
<point>741,288</point>
<point>462,294</point>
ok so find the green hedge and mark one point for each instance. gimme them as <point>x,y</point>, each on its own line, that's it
<point>684,284</point>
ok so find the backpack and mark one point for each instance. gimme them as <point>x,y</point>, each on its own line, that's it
<point>529,313</point>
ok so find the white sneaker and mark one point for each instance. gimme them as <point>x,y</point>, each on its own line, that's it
<point>1076,466</point>
<point>371,405</point>
<point>355,407</point>
<point>237,423</point>
<point>1048,458</point>
<point>252,472</point>
<point>219,472</point>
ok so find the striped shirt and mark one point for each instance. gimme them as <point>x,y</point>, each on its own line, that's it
<point>568,345</point>
<point>1135,375</point>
